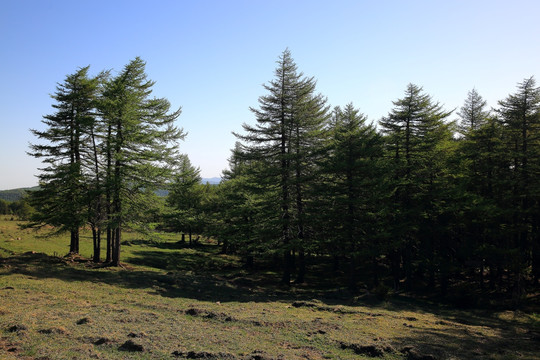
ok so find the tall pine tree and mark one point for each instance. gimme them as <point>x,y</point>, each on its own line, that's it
<point>520,115</point>
<point>60,201</point>
<point>352,172</point>
<point>141,146</point>
<point>414,131</point>
<point>281,142</point>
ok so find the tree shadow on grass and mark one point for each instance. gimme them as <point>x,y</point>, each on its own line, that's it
<point>468,342</point>
<point>171,245</point>
<point>234,285</point>
<point>457,334</point>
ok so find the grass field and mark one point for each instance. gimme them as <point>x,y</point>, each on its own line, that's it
<point>170,301</point>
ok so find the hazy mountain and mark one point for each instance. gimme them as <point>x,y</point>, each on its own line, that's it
<point>212,181</point>
<point>15,194</point>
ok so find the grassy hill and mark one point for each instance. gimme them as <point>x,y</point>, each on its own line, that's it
<point>170,301</point>
<point>15,194</point>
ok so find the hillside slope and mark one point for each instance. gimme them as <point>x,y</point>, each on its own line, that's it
<point>15,194</point>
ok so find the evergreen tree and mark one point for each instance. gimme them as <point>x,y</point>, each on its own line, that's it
<point>185,196</point>
<point>481,173</point>
<point>520,114</point>
<point>415,131</point>
<point>141,145</point>
<point>60,199</point>
<point>484,179</point>
<point>352,171</point>
<point>281,143</point>
<point>473,113</point>
<point>240,221</point>
<point>4,207</point>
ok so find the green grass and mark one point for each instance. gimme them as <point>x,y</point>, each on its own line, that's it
<point>172,299</point>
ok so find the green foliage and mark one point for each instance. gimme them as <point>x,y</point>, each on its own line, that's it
<point>188,198</point>
<point>22,209</point>
<point>60,198</point>
<point>280,151</point>
<point>473,113</point>
<point>140,147</point>
<point>107,148</point>
<point>15,194</point>
<point>408,201</point>
<point>4,207</point>
<point>416,143</point>
<point>348,191</point>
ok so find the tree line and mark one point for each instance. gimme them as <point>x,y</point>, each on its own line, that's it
<point>417,200</point>
<point>19,208</point>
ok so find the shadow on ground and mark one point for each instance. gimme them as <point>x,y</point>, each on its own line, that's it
<point>455,334</point>
<point>232,285</point>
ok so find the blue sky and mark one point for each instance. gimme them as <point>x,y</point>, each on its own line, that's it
<point>211,58</point>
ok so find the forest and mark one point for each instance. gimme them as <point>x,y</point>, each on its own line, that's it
<point>424,199</point>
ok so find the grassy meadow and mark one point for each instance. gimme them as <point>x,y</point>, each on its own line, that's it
<point>170,301</point>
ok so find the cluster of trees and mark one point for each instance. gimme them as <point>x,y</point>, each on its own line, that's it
<point>417,200</point>
<point>19,208</point>
<point>107,147</point>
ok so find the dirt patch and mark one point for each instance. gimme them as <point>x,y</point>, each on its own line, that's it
<point>255,355</point>
<point>366,350</point>
<point>208,314</point>
<point>203,355</point>
<point>136,335</point>
<point>259,355</point>
<point>17,328</point>
<point>318,307</point>
<point>131,346</point>
<point>53,331</point>
<point>102,341</point>
<point>415,354</point>
<point>83,321</point>
<point>8,346</point>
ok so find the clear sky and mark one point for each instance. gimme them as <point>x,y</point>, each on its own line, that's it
<point>211,58</point>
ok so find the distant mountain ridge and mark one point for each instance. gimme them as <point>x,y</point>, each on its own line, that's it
<point>212,180</point>
<point>17,194</point>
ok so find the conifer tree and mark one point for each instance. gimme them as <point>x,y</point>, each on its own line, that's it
<point>520,115</point>
<point>60,199</point>
<point>473,113</point>
<point>415,131</point>
<point>480,173</point>
<point>353,172</point>
<point>185,196</point>
<point>141,145</point>
<point>280,143</point>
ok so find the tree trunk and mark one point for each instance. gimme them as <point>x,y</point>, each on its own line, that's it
<point>116,247</point>
<point>352,274</point>
<point>108,255</point>
<point>375,271</point>
<point>395,267</point>
<point>96,239</point>
<point>536,251</point>
<point>300,276</point>
<point>74,243</point>
<point>287,264</point>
